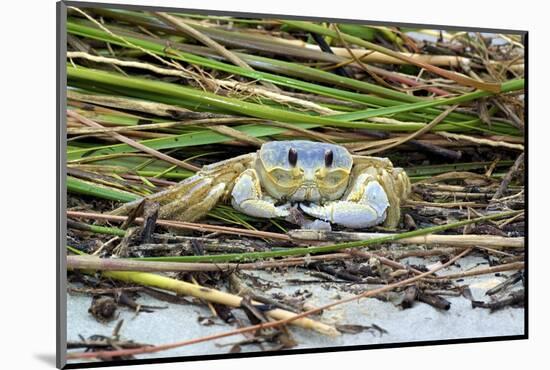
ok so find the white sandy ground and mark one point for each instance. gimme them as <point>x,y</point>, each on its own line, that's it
<point>419,323</point>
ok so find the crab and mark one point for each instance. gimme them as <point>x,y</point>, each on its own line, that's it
<point>323,180</point>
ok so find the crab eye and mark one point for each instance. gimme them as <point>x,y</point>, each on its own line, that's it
<point>292,157</point>
<point>329,157</point>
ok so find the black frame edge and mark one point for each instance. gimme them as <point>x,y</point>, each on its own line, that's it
<point>92,4</point>
<point>526,179</point>
<point>61,189</point>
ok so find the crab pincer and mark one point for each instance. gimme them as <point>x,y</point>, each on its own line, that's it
<point>364,206</point>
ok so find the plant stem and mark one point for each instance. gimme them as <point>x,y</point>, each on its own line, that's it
<point>240,257</point>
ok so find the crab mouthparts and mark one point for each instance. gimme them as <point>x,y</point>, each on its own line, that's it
<point>308,191</point>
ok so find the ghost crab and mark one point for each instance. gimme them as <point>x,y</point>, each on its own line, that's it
<point>324,180</point>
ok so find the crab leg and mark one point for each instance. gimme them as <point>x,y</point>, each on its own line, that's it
<point>165,196</point>
<point>365,205</point>
<point>247,197</point>
<point>196,203</point>
<point>198,194</point>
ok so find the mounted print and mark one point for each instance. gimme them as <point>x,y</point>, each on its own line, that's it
<point>237,184</point>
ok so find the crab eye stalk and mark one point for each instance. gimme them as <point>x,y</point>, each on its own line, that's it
<point>329,157</point>
<point>292,157</point>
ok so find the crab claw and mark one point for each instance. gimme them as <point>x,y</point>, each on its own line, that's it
<point>370,210</point>
<point>247,197</point>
